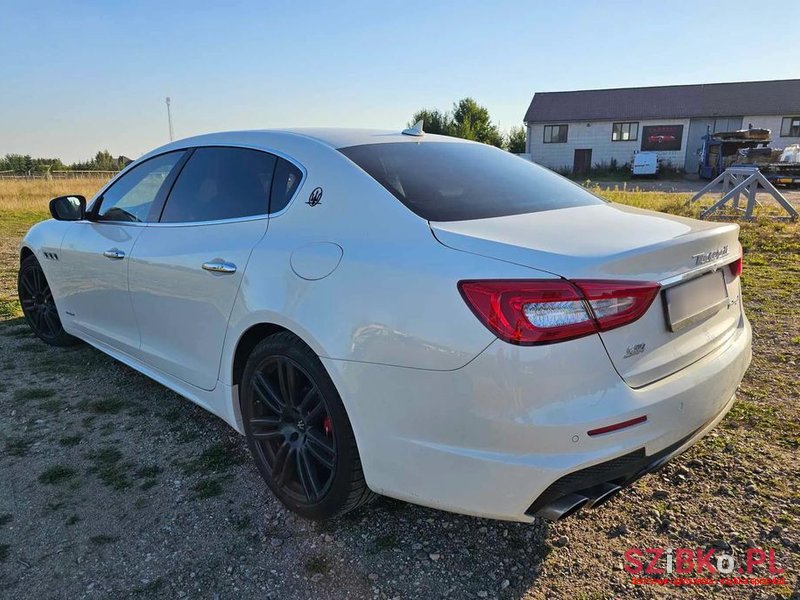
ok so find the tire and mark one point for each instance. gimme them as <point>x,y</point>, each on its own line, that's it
<point>303,447</point>
<point>39,306</point>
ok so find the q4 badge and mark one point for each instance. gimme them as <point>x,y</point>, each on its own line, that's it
<point>315,197</point>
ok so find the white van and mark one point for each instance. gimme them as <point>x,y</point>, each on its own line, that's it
<point>645,163</point>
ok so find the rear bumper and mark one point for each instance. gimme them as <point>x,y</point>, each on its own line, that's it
<point>491,438</point>
<point>615,474</point>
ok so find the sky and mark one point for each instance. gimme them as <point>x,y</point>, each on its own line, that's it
<point>78,77</point>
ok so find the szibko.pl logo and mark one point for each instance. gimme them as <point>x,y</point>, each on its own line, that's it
<point>696,566</point>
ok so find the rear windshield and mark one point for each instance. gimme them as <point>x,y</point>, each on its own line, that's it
<point>452,181</point>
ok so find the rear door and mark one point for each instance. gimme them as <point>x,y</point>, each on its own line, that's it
<point>95,253</point>
<point>186,270</point>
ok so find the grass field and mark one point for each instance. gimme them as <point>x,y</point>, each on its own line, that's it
<point>22,203</point>
<point>80,490</point>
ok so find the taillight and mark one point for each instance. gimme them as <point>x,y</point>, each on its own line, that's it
<point>546,311</point>
<point>617,303</point>
<point>529,312</point>
<point>737,265</point>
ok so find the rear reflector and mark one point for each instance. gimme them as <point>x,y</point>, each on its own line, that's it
<point>528,312</point>
<point>618,426</point>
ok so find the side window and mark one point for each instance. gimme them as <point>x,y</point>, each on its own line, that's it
<point>555,134</point>
<point>790,127</point>
<point>132,195</point>
<point>284,184</point>
<point>221,183</point>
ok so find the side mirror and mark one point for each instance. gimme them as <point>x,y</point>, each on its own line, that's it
<point>68,208</point>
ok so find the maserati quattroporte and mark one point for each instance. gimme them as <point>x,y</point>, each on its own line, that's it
<point>403,314</point>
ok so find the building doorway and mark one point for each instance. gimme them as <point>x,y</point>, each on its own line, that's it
<point>697,129</point>
<point>582,162</point>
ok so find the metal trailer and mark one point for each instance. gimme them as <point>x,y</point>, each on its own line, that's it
<point>779,173</point>
<point>715,150</point>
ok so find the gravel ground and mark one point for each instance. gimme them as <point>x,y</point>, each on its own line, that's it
<point>114,487</point>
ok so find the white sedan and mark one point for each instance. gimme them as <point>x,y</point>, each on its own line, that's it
<point>403,314</point>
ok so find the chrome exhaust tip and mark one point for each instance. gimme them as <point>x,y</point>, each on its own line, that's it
<point>600,494</point>
<point>562,508</point>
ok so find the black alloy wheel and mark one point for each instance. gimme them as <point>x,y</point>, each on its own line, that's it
<point>38,304</point>
<point>298,430</point>
<point>292,429</point>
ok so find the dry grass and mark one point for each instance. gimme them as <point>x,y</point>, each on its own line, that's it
<point>670,202</point>
<point>18,195</point>
<point>23,203</point>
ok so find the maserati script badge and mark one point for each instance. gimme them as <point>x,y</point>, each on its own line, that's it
<point>706,257</point>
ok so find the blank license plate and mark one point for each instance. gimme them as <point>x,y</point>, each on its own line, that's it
<point>695,300</point>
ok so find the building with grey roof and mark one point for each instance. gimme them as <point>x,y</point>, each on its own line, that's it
<point>582,129</point>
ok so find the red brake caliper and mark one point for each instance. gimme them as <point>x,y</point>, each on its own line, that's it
<point>327,426</point>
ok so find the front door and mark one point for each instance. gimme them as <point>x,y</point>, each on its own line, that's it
<point>94,266</point>
<point>582,162</point>
<point>186,270</point>
<point>94,256</point>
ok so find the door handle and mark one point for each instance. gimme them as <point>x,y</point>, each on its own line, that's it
<point>219,266</point>
<point>114,254</point>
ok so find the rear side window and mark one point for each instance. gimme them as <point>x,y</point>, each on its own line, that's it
<point>452,181</point>
<point>284,183</point>
<point>221,183</point>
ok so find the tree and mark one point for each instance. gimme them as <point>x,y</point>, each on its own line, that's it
<point>27,165</point>
<point>47,165</point>
<point>516,140</point>
<point>435,121</point>
<point>471,121</point>
<point>468,120</point>
<point>20,164</point>
<point>102,161</point>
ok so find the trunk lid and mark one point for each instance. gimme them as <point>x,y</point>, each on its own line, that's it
<point>618,242</point>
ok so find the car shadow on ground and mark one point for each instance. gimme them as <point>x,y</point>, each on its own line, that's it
<point>438,554</point>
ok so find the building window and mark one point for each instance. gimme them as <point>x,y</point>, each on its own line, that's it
<point>555,134</point>
<point>625,132</point>
<point>790,127</point>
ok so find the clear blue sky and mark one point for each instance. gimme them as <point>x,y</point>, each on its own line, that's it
<point>76,77</point>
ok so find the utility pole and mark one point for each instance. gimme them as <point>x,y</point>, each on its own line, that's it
<point>169,120</point>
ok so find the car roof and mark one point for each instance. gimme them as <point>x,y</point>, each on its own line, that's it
<point>342,138</point>
<point>330,136</point>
